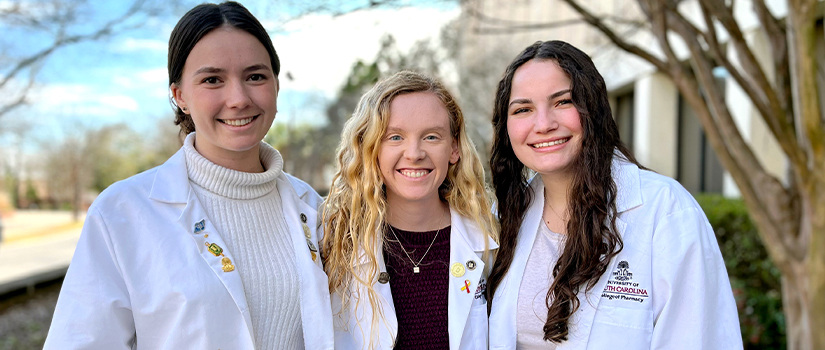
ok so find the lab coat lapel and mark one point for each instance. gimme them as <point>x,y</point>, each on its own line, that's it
<point>628,196</point>
<point>462,288</point>
<point>507,292</point>
<point>171,185</point>
<point>361,318</point>
<point>301,220</point>
<point>582,321</point>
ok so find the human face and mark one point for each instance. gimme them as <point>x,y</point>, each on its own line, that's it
<point>417,149</point>
<point>229,88</point>
<point>543,125</point>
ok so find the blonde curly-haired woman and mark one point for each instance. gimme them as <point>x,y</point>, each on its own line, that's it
<point>407,224</point>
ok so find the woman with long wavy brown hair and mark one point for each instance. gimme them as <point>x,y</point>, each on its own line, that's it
<point>595,251</point>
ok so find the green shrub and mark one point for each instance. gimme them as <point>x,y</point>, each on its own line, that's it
<point>754,278</point>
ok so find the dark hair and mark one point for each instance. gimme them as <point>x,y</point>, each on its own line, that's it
<point>592,239</point>
<point>198,22</point>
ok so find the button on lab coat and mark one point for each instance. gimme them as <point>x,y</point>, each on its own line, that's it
<point>667,289</point>
<point>141,277</point>
<point>467,312</point>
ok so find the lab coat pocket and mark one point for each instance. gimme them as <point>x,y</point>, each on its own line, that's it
<point>620,327</point>
<point>476,330</point>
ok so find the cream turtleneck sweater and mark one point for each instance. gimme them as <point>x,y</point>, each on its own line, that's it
<point>247,211</point>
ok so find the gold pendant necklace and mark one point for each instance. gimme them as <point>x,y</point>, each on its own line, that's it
<point>415,265</point>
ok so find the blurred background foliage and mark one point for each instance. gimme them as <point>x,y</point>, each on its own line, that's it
<point>754,278</point>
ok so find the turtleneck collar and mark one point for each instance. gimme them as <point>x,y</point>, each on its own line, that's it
<point>232,183</point>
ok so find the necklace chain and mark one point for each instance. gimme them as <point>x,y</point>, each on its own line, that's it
<point>415,265</point>
<point>564,222</point>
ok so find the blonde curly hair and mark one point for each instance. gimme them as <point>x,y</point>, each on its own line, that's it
<point>355,210</point>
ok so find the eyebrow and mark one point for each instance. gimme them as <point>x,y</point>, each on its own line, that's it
<point>212,70</point>
<point>551,97</point>
<point>391,129</point>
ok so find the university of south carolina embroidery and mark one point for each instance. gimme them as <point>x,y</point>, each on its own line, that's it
<point>621,285</point>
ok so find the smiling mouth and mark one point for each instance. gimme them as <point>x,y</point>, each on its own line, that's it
<point>551,143</point>
<point>237,122</point>
<point>414,173</point>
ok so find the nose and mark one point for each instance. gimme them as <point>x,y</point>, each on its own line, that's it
<point>413,150</point>
<point>237,95</point>
<point>545,121</point>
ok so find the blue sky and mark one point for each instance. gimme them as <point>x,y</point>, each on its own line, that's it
<point>123,78</point>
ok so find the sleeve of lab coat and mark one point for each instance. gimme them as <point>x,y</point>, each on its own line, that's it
<point>692,295</point>
<point>93,310</point>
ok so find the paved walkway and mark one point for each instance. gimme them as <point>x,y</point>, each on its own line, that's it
<point>37,246</point>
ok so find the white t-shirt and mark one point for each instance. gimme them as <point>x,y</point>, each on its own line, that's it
<point>532,296</point>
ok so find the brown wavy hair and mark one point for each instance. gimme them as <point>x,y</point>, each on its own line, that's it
<point>592,239</point>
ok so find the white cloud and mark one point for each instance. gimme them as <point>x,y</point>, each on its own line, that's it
<point>80,100</point>
<point>319,50</point>
<point>154,75</point>
<point>140,45</point>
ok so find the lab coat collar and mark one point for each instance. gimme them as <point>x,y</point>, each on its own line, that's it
<point>628,184</point>
<point>464,247</point>
<point>626,175</point>
<point>302,219</point>
<point>171,183</point>
<point>466,243</point>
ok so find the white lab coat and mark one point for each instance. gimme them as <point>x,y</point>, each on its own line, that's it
<point>667,289</point>
<point>467,311</point>
<point>141,278</point>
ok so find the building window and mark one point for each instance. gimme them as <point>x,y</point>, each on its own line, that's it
<point>698,168</point>
<point>623,113</point>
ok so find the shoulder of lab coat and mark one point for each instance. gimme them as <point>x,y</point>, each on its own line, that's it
<point>672,250</point>
<point>467,309</point>
<point>692,301</point>
<point>95,308</point>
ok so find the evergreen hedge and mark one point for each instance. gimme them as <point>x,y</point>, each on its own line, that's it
<point>754,278</point>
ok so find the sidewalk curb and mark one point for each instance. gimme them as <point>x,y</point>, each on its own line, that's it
<point>31,281</point>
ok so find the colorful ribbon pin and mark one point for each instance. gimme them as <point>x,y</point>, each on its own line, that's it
<point>466,286</point>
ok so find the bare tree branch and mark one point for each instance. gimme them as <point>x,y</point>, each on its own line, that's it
<point>756,184</point>
<point>111,27</point>
<point>494,25</point>
<point>596,22</point>
<point>802,17</point>
<point>779,125</point>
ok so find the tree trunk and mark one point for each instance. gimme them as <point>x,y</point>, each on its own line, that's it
<point>76,191</point>
<point>803,278</point>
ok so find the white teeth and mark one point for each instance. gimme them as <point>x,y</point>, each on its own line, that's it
<point>238,122</point>
<point>551,143</point>
<point>414,173</point>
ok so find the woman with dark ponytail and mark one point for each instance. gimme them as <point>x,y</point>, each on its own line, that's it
<point>595,251</point>
<point>217,248</point>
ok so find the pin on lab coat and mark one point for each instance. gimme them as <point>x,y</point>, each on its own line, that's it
<point>467,310</point>
<point>667,289</point>
<point>141,277</point>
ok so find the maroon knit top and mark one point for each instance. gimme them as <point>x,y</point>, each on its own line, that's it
<point>420,298</point>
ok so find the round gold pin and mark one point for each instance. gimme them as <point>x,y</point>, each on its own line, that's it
<point>457,269</point>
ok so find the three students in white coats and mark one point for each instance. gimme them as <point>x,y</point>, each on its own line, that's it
<point>595,252</point>
<point>217,247</point>
<point>407,172</point>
